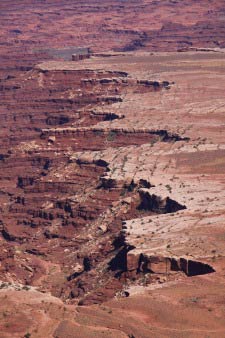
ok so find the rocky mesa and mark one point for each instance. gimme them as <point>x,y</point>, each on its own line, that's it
<point>112,169</point>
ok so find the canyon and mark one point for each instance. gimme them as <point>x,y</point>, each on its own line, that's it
<point>112,169</point>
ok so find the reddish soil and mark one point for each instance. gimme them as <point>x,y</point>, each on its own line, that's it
<point>112,169</point>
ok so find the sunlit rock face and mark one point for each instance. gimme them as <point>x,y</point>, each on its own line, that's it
<point>112,168</point>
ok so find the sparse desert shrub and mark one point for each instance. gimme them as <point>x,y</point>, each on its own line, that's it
<point>168,187</point>
<point>27,335</point>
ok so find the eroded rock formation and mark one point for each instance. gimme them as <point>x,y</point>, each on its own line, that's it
<point>111,166</point>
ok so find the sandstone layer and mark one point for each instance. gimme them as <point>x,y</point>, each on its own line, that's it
<point>112,169</point>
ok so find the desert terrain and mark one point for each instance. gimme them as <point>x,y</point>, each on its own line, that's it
<point>112,185</point>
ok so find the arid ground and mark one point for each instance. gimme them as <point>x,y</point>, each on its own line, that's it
<point>112,162</point>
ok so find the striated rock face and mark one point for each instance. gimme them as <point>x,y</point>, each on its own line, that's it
<point>112,166</point>
<point>156,204</point>
<point>62,201</point>
<point>165,265</point>
<point>65,208</point>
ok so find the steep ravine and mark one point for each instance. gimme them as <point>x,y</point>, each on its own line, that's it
<point>62,215</point>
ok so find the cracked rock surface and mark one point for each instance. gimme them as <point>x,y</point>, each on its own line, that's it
<point>112,164</point>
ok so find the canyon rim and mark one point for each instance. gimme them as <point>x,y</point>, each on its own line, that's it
<point>112,162</point>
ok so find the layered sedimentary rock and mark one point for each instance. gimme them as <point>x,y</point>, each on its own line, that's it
<point>112,168</point>
<point>54,205</point>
